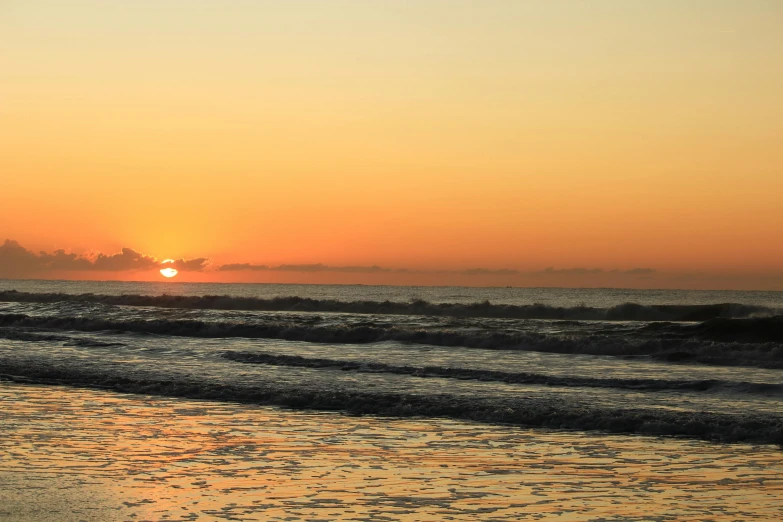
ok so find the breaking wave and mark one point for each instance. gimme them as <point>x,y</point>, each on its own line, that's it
<point>196,347</point>
<point>622,312</point>
<point>548,413</point>
<point>670,342</point>
<point>500,376</point>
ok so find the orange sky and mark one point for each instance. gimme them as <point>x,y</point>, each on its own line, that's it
<point>435,136</point>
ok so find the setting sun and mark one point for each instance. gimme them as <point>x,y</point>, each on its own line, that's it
<point>168,272</point>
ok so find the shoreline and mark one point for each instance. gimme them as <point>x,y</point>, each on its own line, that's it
<point>95,455</point>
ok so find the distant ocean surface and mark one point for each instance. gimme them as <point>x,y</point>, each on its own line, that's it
<point>565,297</point>
<point>704,365</point>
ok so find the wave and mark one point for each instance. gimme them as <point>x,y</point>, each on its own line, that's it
<point>768,329</point>
<point>753,330</point>
<point>551,412</point>
<point>501,376</point>
<point>623,312</point>
<point>31,336</point>
<point>674,343</point>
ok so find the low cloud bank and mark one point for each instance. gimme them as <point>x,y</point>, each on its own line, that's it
<point>16,259</point>
<point>595,271</point>
<point>375,269</point>
<point>235,267</point>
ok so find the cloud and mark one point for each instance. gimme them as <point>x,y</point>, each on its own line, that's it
<point>325,268</point>
<point>14,258</point>
<point>730,277</point>
<point>374,269</point>
<point>489,271</point>
<point>594,271</point>
<point>190,265</point>
<point>60,260</point>
<point>235,267</point>
<point>127,259</point>
<point>639,271</point>
<point>569,271</point>
<point>318,267</point>
<point>17,260</point>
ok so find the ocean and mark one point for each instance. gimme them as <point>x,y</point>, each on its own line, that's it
<point>665,392</point>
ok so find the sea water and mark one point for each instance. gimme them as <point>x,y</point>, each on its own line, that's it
<point>545,400</point>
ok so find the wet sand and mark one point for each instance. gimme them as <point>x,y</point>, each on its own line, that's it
<point>74,454</point>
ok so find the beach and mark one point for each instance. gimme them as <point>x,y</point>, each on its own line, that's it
<point>75,454</point>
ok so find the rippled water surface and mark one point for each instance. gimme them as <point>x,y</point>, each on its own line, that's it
<point>70,454</point>
<point>600,297</point>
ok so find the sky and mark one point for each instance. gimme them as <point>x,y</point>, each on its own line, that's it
<point>538,143</point>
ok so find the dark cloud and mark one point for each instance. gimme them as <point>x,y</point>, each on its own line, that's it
<point>595,271</point>
<point>712,277</point>
<point>374,269</point>
<point>489,271</point>
<point>127,259</point>
<point>305,268</point>
<point>17,260</point>
<point>190,265</point>
<point>325,268</point>
<point>236,267</point>
<point>569,271</point>
<point>639,271</point>
<point>59,260</point>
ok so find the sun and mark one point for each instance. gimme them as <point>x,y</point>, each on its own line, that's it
<point>168,272</point>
